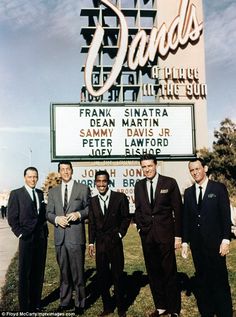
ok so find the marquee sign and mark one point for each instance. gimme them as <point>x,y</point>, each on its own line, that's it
<point>116,132</point>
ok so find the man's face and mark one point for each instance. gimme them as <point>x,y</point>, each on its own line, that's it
<point>65,172</point>
<point>198,172</point>
<point>149,168</point>
<point>101,184</point>
<point>31,178</point>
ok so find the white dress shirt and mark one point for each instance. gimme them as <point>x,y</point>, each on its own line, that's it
<point>203,185</point>
<point>69,189</point>
<point>104,198</point>
<point>30,191</point>
<point>154,185</point>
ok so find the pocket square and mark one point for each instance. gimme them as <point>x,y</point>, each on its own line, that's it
<point>164,191</point>
<point>211,195</point>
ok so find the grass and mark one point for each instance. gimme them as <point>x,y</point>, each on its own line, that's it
<point>140,299</point>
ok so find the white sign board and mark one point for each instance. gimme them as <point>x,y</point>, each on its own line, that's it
<point>114,132</point>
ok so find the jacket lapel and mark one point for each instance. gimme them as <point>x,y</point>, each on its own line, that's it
<point>207,191</point>
<point>160,186</point>
<point>59,194</point>
<point>99,209</point>
<point>72,195</point>
<point>28,197</point>
<point>144,185</point>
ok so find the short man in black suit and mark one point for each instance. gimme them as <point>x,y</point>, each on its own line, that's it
<point>26,216</point>
<point>158,217</point>
<point>108,223</point>
<point>207,227</point>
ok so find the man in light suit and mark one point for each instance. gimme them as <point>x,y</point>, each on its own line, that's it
<point>207,227</point>
<point>67,209</point>
<point>158,217</point>
<point>26,216</point>
<point>108,223</point>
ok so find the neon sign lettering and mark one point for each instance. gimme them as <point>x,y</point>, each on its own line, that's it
<point>183,29</point>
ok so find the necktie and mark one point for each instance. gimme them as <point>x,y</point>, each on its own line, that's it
<point>104,205</point>
<point>151,194</point>
<point>199,203</point>
<point>65,198</point>
<point>34,199</point>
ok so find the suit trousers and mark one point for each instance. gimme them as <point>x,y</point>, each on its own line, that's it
<point>211,286</point>
<point>70,258</point>
<point>161,268</point>
<point>110,266</point>
<point>32,257</point>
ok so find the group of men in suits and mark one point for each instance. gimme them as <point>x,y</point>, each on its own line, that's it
<point>163,223</point>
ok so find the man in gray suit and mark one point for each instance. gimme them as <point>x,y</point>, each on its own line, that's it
<point>67,209</point>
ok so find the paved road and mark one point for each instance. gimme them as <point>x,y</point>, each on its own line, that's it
<point>8,248</point>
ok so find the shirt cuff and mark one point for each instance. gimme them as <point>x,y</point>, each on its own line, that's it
<point>56,221</point>
<point>185,244</point>
<point>226,241</point>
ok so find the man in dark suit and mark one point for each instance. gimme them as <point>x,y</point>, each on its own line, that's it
<point>158,218</point>
<point>108,223</point>
<point>207,226</point>
<point>67,209</point>
<point>26,216</point>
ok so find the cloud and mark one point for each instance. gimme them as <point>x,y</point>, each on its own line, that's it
<point>220,36</point>
<point>50,17</point>
<point>26,129</point>
<point>21,13</point>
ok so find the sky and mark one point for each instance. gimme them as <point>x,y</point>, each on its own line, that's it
<point>40,63</point>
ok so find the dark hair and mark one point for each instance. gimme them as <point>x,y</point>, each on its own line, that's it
<point>64,162</point>
<point>148,156</point>
<point>104,172</point>
<point>31,168</point>
<point>201,160</point>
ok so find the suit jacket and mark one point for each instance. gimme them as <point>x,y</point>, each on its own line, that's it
<point>213,222</point>
<point>167,212</point>
<point>115,221</point>
<point>79,201</point>
<point>22,215</point>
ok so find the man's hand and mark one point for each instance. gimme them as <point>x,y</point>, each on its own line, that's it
<point>224,249</point>
<point>62,221</point>
<point>184,251</point>
<point>178,243</point>
<point>73,216</point>
<point>91,250</point>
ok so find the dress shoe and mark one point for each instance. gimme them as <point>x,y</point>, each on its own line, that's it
<point>106,312</point>
<point>62,308</point>
<point>156,314</point>
<point>79,311</point>
<point>174,315</point>
<point>39,309</point>
<point>36,309</point>
<point>122,314</point>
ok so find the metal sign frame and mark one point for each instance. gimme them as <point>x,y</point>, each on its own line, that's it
<point>66,125</point>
